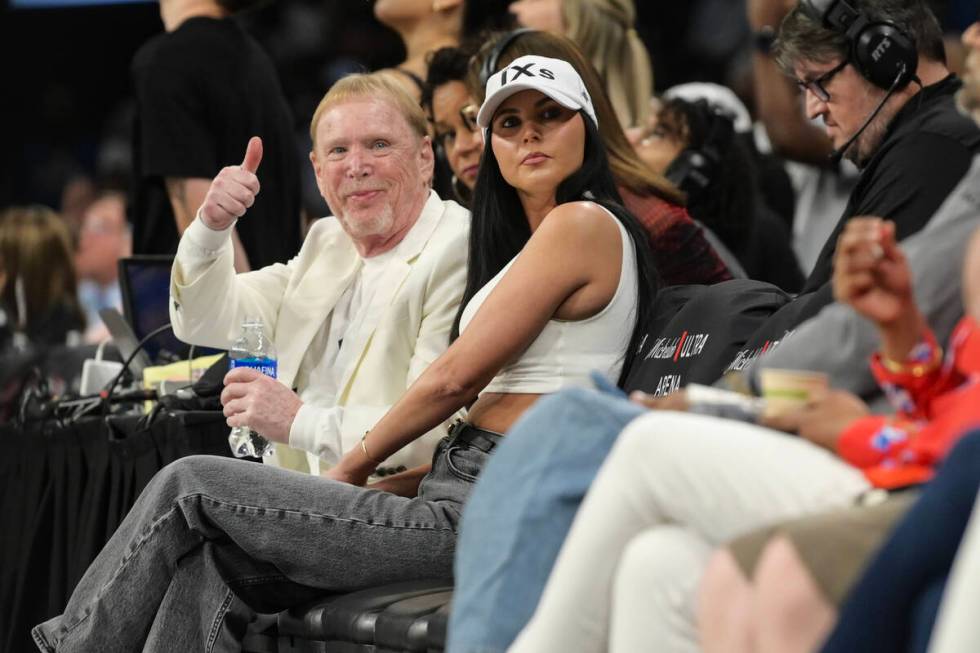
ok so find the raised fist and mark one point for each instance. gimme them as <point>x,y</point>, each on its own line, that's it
<point>871,273</point>
<point>233,191</point>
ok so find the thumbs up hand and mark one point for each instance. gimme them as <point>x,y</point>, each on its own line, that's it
<point>233,191</point>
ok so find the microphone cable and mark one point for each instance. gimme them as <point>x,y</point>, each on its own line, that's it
<point>106,395</point>
<point>838,153</point>
<point>72,409</point>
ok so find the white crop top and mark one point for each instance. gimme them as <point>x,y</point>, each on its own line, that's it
<point>566,351</point>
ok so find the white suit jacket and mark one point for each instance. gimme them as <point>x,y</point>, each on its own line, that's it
<point>406,326</point>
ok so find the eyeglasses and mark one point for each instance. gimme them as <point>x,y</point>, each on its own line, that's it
<point>467,116</point>
<point>816,86</point>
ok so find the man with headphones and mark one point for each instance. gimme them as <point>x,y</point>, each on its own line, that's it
<point>874,71</point>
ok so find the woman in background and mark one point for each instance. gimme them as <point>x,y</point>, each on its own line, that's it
<point>427,25</point>
<point>605,31</point>
<point>695,146</point>
<point>422,27</point>
<point>37,279</point>
<point>452,113</point>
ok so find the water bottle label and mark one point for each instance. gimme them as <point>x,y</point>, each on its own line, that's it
<point>265,365</point>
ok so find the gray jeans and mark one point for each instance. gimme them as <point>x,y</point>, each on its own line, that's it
<point>210,540</point>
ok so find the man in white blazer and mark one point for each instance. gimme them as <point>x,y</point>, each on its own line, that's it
<point>367,303</point>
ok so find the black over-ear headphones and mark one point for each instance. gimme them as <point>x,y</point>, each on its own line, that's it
<point>880,50</point>
<point>695,168</point>
<point>489,66</point>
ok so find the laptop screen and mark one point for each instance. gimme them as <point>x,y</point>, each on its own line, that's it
<point>144,281</point>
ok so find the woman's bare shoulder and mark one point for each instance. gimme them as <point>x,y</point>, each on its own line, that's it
<point>579,221</point>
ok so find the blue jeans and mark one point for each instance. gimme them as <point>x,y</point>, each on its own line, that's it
<point>893,605</point>
<point>521,509</point>
<point>212,540</point>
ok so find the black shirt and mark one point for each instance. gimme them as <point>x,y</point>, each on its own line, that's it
<point>767,254</point>
<point>927,149</point>
<point>203,90</point>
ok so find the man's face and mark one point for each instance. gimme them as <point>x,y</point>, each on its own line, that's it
<point>371,168</point>
<point>849,100</point>
<point>969,96</point>
<point>103,240</point>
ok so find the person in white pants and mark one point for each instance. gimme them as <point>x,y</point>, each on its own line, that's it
<point>675,486</point>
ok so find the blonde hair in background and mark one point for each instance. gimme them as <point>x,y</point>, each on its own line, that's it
<point>604,30</point>
<point>36,256</point>
<point>968,97</point>
<point>380,85</point>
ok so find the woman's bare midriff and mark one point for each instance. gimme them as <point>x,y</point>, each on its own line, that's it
<point>497,411</point>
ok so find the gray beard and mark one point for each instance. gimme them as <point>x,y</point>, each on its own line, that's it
<point>861,151</point>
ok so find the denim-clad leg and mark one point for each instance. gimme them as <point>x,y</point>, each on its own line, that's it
<point>181,625</point>
<point>205,525</point>
<point>521,509</point>
<point>877,615</point>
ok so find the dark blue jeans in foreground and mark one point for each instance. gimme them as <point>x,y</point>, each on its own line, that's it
<point>895,599</point>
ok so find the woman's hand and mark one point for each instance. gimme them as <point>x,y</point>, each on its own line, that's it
<point>353,468</point>
<point>823,420</point>
<point>340,473</point>
<point>404,484</point>
<point>676,401</point>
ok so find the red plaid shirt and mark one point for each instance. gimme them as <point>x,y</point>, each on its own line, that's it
<point>682,254</point>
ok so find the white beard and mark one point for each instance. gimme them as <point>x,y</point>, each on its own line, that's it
<point>378,225</point>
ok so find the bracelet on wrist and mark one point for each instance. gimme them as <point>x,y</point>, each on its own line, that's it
<point>364,450</point>
<point>912,366</point>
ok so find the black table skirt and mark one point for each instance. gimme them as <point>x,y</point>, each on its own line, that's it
<point>63,492</point>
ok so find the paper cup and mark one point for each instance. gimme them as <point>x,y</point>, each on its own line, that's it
<point>788,390</point>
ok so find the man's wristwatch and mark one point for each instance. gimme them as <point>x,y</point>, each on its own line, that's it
<point>763,39</point>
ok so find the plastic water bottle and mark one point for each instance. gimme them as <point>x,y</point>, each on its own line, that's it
<point>254,349</point>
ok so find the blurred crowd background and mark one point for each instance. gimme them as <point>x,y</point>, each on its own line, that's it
<point>68,100</point>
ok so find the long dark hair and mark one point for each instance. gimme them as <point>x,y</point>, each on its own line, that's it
<point>724,196</point>
<point>499,228</point>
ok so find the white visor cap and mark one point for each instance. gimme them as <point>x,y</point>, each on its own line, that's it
<point>553,77</point>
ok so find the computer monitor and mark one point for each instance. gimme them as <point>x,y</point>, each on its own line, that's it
<point>126,341</point>
<point>144,281</point>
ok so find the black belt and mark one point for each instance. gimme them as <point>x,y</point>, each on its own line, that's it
<point>465,433</point>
